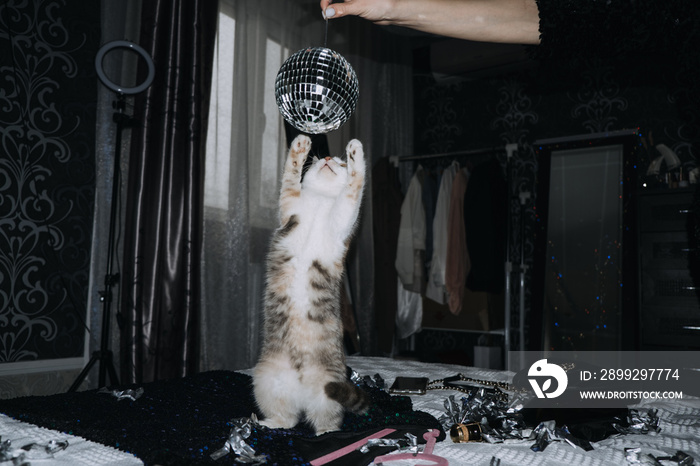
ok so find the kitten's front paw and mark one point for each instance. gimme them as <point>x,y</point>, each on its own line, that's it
<point>356,158</point>
<point>299,150</point>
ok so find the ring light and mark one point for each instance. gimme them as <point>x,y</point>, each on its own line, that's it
<point>108,47</point>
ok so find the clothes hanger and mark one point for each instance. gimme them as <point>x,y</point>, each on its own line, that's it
<point>426,454</point>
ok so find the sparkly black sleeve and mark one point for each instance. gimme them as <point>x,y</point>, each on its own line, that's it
<point>617,29</point>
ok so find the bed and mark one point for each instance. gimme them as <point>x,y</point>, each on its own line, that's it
<point>206,418</point>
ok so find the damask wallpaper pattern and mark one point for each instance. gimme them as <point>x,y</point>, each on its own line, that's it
<point>47,176</point>
<point>530,105</point>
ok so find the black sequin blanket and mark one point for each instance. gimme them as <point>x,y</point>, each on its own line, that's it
<point>183,421</point>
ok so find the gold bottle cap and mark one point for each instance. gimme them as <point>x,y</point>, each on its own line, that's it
<point>462,433</point>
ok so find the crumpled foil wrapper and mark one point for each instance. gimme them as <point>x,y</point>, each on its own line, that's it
<point>632,455</point>
<point>127,394</point>
<point>640,422</point>
<point>487,407</point>
<point>241,430</point>
<point>408,444</point>
<point>372,382</point>
<point>681,458</point>
<point>548,432</point>
<point>32,451</point>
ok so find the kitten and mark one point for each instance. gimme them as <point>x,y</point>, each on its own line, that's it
<point>302,369</point>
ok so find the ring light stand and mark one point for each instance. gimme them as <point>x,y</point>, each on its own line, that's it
<point>121,90</point>
<point>104,355</point>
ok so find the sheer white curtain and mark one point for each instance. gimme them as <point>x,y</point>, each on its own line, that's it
<point>246,147</point>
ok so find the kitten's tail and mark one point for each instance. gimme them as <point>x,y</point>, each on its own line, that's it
<point>352,397</point>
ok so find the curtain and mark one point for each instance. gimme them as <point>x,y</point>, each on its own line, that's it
<point>245,152</point>
<point>246,149</point>
<point>160,301</point>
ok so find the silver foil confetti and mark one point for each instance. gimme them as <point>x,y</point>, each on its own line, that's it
<point>640,422</point>
<point>372,382</point>
<point>632,455</point>
<point>6,451</point>
<point>408,444</point>
<point>680,458</point>
<point>316,90</point>
<point>127,394</point>
<point>487,408</point>
<point>31,451</point>
<point>548,432</point>
<point>502,422</point>
<point>241,430</point>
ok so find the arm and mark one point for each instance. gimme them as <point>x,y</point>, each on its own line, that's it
<point>510,21</point>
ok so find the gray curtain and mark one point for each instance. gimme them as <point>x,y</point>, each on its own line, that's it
<point>160,301</point>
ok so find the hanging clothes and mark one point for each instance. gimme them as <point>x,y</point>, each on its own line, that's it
<point>485,223</point>
<point>410,250</point>
<point>458,263</point>
<point>435,288</point>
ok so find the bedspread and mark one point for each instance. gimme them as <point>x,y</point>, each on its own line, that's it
<point>183,421</point>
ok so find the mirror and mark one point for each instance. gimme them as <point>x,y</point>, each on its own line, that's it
<point>585,265</point>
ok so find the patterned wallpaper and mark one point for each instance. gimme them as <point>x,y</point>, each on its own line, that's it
<point>47,120</point>
<point>532,105</point>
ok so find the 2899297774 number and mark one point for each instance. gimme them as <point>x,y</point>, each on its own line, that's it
<point>639,374</point>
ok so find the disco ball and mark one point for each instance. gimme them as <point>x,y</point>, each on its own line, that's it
<point>316,90</point>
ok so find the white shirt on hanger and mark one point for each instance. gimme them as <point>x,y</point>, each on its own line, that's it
<point>435,289</point>
<point>411,229</point>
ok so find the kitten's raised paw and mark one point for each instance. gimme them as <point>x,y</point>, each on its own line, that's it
<point>299,150</point>
<point>356,158</point>
<point>354,150</point>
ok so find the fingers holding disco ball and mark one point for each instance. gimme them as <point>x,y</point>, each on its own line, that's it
<point>316,90</point>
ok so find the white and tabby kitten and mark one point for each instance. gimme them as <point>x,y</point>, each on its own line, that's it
<point>301,371</point>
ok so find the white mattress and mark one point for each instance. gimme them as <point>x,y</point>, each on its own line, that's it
<point>679,422</point>
<point>78,452</point>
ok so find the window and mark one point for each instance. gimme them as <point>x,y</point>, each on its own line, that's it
<point>218,148</point>
<point>244,121</point>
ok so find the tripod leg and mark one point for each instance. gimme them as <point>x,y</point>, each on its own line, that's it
<point>95,357</point>
<point>114,380</point>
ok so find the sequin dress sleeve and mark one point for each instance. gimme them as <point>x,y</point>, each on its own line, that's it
<point>621,30</point>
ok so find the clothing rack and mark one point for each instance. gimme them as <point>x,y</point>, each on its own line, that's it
<point>508,148</point>
<point>509,266</point>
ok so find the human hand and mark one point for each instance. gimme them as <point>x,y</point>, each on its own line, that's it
<point>377,11</point>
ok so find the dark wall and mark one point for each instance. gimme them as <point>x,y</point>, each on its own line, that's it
<point>47,175</point>
<point>531,105</point>
<point>550,100</point>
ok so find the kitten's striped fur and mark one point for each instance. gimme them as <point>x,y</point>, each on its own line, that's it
<point>301,371</point>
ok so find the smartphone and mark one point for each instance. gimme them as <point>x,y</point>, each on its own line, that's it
<point>409,386</point>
